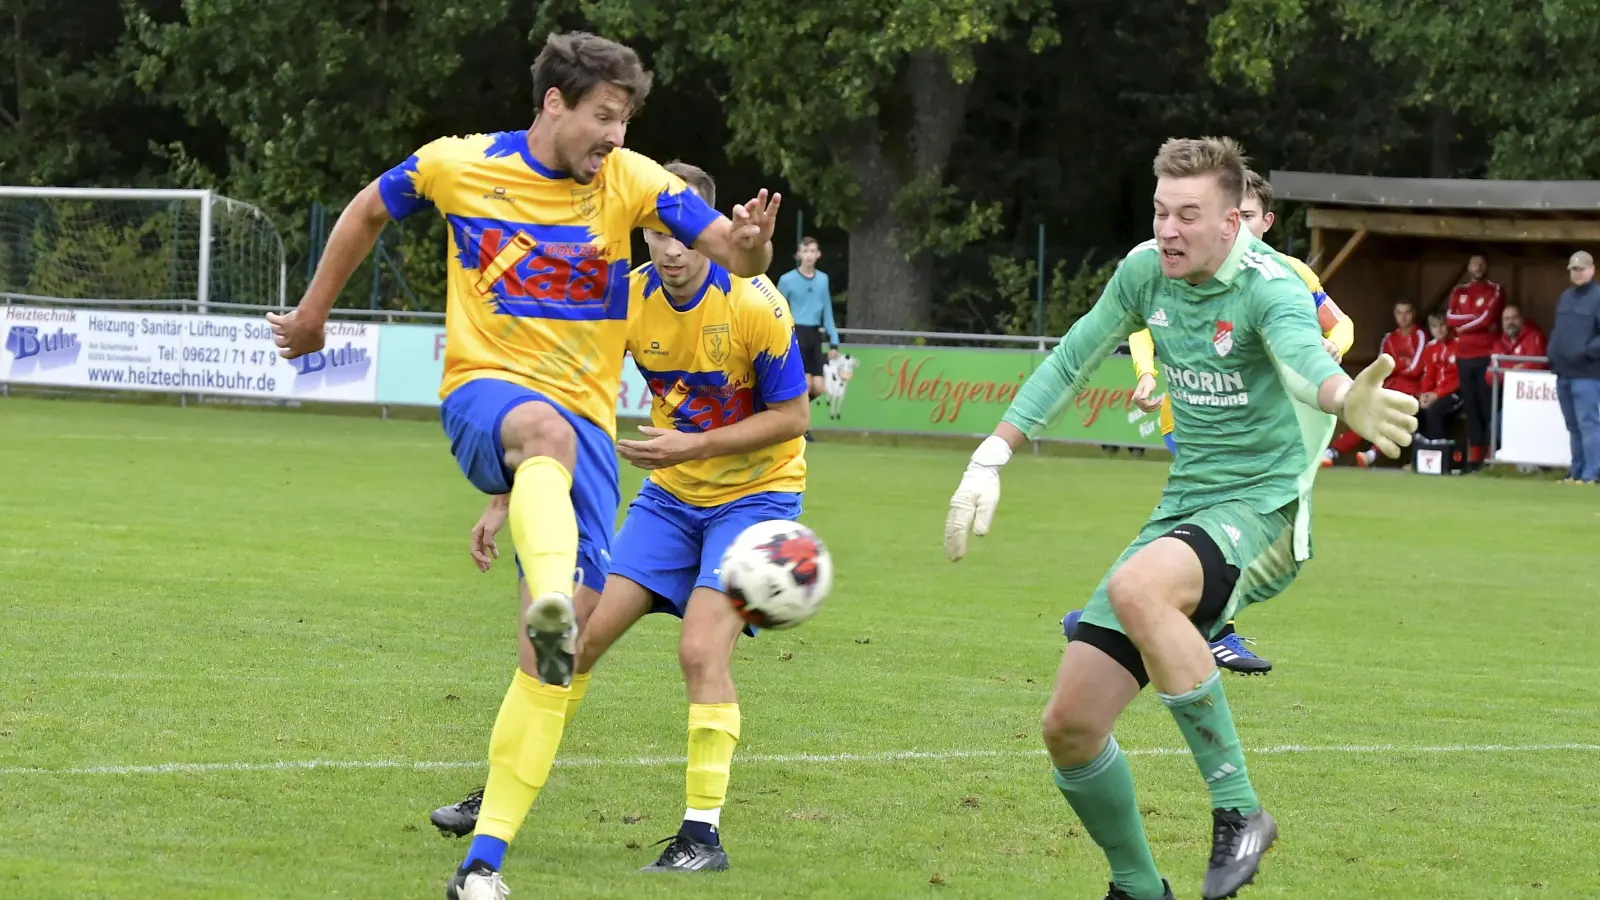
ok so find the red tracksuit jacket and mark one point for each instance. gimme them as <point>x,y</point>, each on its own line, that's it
<point>1530,342</point>
<point>1474,317</point>
<point>1406,346</point>
<point>1439,373</point>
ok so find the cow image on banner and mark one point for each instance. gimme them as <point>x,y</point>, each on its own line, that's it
<point>836,377</point>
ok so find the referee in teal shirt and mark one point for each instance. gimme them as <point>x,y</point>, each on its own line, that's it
<point>811,306</point>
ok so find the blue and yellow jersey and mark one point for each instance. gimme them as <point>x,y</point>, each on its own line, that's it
<point>1336,327</point>
<point>721,357</point>
<point>538,282</point>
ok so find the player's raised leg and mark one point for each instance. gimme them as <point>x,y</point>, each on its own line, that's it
<point>1092,772</point>
<point>541,448</point>
<point>558,473</point>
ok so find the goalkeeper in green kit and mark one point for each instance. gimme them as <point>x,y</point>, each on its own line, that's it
<point>1255,398</point>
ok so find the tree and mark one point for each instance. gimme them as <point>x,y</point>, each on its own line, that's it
<point>315,96</point>
<point>1526,69</point>
<point>1065,137</point>
<point>68,112</point>
<point>858,105</point>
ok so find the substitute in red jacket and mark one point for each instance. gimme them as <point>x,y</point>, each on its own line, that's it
<point>1474,318</point>
<point>1405,344</point>
<point>1441,380</point>
<point>1518,337</point>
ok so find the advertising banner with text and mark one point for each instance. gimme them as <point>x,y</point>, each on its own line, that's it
<point>947,390</point>
<point>193,354</point>
<point>1532,429</point>
<point>924,390</point>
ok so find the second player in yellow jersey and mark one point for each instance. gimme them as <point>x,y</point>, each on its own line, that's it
<point>715,359</point>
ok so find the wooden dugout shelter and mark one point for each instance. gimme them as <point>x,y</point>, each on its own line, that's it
<point>1376,241</point>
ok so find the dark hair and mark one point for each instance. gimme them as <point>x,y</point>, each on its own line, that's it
<point>1258,187</point>
<point>807,241</point>
<point>1406,303</point>
<point>575,62</point>
<point>696,178</point>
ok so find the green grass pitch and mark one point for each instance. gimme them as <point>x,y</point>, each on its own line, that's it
<point>250,592</point>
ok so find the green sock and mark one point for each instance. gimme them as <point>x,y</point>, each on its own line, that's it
<point>1101,793</point>
<point>1207,725</point>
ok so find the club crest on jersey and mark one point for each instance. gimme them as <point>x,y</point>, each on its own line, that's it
<point>714,338</point>
<point>586,199</point>
<point>1223,340</point>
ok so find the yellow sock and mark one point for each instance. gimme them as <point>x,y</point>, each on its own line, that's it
<point>580,686</point>
<point>522,748</point>
<point>713,734</point>
<point>543,526</point>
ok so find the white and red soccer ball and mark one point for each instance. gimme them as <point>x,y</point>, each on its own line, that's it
<point>776,574</point>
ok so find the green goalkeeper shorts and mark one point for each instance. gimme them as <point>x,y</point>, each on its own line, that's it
<point>1257,562</point>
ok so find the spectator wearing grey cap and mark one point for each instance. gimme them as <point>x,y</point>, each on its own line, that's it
<point>1575,359</point>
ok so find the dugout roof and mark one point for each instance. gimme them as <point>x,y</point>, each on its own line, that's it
<point>1437,193</point>
<point>1375,241</point>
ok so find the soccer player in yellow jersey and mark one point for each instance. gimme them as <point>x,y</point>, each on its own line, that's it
<point>1338,333</point>
<point>539,223</point>
<point>729,409</point>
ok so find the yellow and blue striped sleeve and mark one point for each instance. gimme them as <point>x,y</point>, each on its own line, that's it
<point>416,184</point>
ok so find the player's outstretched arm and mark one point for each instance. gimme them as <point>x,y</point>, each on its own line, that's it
<point>299,331</point>
<point>784,420</point>
<point>743,244</point>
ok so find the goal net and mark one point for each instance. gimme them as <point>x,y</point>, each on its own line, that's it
<point>128,247</point>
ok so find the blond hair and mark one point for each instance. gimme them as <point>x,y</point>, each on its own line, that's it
<point>1222,157</point>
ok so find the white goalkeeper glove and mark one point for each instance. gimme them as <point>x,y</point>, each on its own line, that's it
<point>1386,418</point>
<point>972,506</point>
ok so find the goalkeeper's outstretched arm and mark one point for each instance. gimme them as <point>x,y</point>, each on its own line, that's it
<point>1042,398</point>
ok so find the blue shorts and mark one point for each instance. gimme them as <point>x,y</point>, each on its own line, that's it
<point>472,415</point>
<point>670,547</point>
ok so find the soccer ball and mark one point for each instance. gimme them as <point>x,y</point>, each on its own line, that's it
<point>776,574</point>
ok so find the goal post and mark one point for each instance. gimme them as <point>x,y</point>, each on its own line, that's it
<point>191,249</point>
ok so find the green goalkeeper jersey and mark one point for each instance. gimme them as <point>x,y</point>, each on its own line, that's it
<point>1244,359</point>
